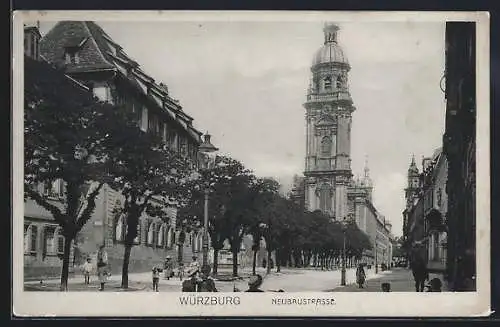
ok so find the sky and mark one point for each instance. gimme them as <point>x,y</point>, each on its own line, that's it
<point>245,83</point>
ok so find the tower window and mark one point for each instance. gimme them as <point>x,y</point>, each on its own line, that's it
<point>326,146</point>
<point>328,83</point>
<point>339,82</point>
<point>325,202</point>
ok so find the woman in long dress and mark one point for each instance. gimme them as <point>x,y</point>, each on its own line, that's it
<point>360,275</point>
<point>102,266</point>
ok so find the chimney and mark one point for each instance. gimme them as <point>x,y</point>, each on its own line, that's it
<point>32,38</point>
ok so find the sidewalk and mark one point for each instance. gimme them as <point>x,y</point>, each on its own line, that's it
<point>401,280</point>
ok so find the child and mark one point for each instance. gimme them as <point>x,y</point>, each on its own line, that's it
<point>87,269</point>
<point>156,278</point>
<point>386,287</point>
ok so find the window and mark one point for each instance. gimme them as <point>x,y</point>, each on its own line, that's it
<point>325,201</point>
<point>103,93</point>
<point>150,238</point>
<point>326,146</point>
<point>328,83</point>
<point>72,57</point>
<point>137,238</point>
<point>439,197</point>
<point>120,229</point>
<point>161,236</point>
<point>339,82</point>
<point>144,119</point>
<point>60,242</point>
<point>170,237</point>
<point>30,238</point>
<point>50,244</point>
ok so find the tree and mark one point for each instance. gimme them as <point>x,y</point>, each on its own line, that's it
<point>150,176</point>
<point>66,139</point>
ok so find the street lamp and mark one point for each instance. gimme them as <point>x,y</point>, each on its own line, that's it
<point>207,151</point>
<point>343,270</point>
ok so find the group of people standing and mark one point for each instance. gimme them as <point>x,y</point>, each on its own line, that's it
<point>103,271</point>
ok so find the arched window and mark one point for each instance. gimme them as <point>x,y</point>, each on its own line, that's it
<point>328,83</point>
<point>151,230</point>
<point>30,238</point>
<point>326,146</point>
<point>325,198</point>
<point>161,236</point>
<point>194,242</point>
<point>170,237</point>
<point>120,229</point>
<point>200,242</point>
<point>49,240</point>
<point>59,241</point>
<point>137,238</point>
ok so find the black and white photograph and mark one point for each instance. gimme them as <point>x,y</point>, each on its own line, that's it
<point>302,156</point>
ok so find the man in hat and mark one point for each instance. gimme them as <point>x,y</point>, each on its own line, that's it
<point>206,284</point>
<point>168,268</point>
<point>254,283</point>
<point>190,284</point>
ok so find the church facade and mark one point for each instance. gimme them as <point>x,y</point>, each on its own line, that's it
<point>328,184</point>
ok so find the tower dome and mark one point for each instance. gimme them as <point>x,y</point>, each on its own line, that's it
<point>330,52</point>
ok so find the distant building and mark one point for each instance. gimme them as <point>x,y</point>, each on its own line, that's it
<point>90,57</point>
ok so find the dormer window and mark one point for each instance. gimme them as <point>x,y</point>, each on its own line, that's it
<point>72,57</point>
<point>71,49</point>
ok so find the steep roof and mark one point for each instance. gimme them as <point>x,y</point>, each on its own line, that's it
<point>98,51</point>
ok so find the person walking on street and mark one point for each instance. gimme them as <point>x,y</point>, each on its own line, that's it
<point>206,284</point>
<point>156,278</point>
<point>181,271</point>
<point>419,271</point>
<point>102,266</point>
<point>360,275</point>
<point>194,264</point>
<point>168,268</point>
<point>87,270</point>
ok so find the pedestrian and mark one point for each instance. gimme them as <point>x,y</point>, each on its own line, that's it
<point>190,284</point>
<point>206,284</point>
<point>434,285</point>
<point>254,283</point>
<point>102,266</point>
<point>386,287</point>
<point>168,268</point>
<point>180,271</point>
<point>156,277</point>
<point>87,270</point>
<point>194,263</point>
<point>360,275</point>
<point>419,271</point>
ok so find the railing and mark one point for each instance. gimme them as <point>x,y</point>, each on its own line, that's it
<point>315,97</point>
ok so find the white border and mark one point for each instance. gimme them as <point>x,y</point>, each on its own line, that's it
<point>347,304</point>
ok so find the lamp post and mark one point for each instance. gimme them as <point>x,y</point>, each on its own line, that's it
<point>343,270</point>
<point>207,149</point>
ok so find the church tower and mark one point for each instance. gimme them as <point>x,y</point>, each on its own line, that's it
<point>329,111</point>
<point>413,181</point>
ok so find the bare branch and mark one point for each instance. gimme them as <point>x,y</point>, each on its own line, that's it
<point>87,212</point>
<point>54,210</point>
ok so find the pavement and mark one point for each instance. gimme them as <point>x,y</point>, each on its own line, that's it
<point>401,280</point>
<point>289,280</point>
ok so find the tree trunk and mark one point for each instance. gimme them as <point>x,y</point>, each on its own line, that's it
<point>180,247</point>
<point>65,266</point>
<point>235,263</point>
<point>254,263</point>
<point>278,261</point>
<point>268,268</point>
<point>126,261</point>
<point>216,261</point>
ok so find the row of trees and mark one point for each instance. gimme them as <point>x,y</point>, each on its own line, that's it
<point>242,204</point>
<point>70,136</point>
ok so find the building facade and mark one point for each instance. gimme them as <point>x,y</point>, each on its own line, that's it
<point>328,184</point>
<point>90,57</point>
<point>459,146</point>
